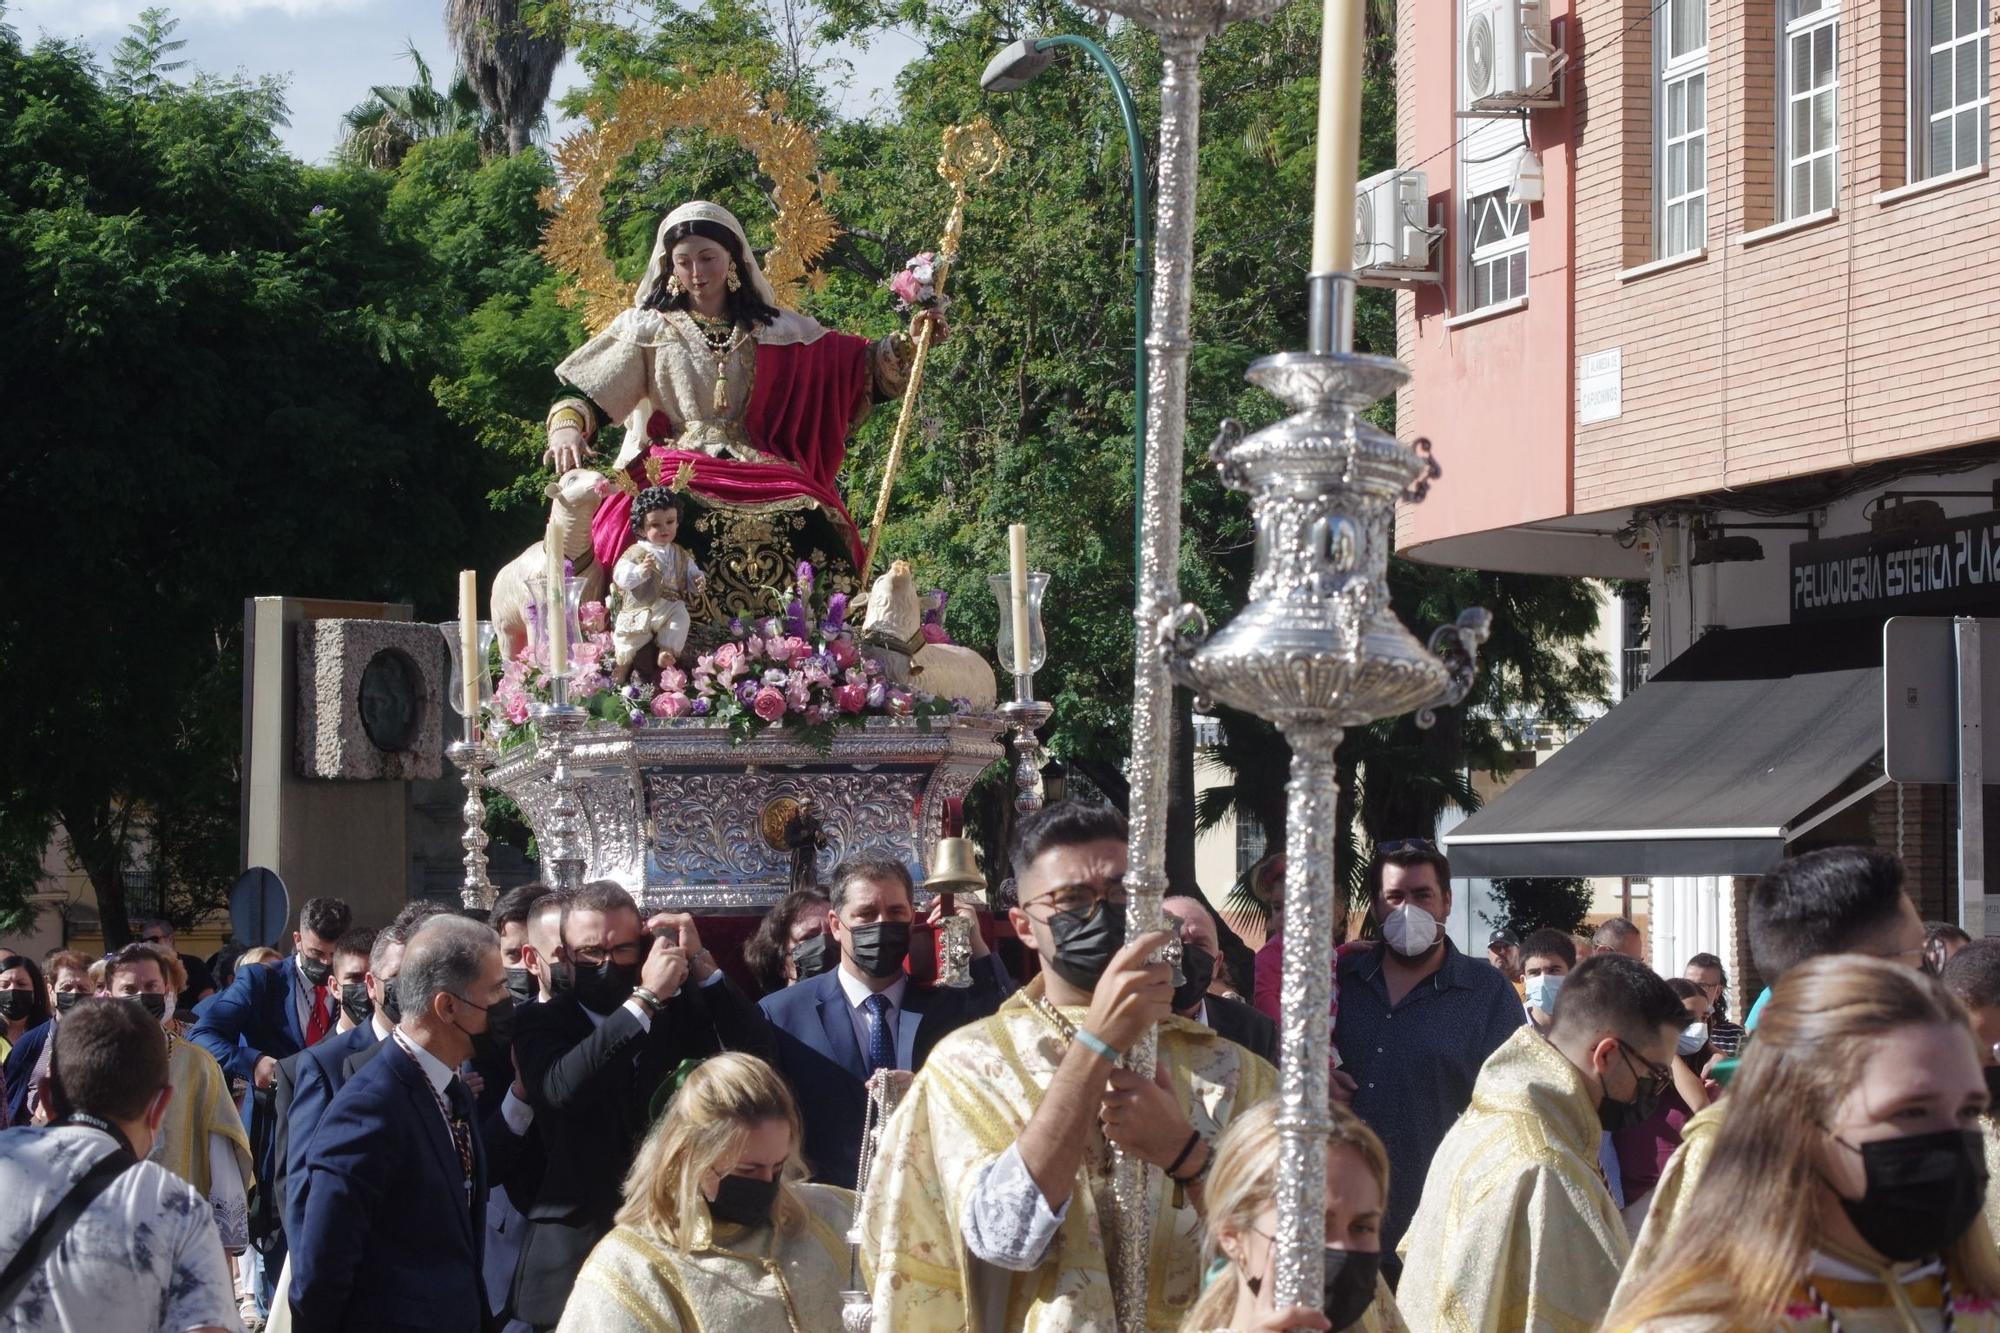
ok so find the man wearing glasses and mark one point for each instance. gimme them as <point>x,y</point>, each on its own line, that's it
<point>593,1060</point>
<point>990,1206</point>
<point>1516,1228</point>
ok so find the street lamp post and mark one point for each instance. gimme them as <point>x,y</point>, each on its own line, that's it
<point>1015,67</point>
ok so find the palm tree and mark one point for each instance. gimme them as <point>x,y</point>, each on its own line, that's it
<point>511,61</point>
<point>381,131</point>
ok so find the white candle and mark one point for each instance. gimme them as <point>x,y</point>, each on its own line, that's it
<point>557,606</point>
<point>1337,162</point>
<point>1017,590</point>
<point>468,647</point>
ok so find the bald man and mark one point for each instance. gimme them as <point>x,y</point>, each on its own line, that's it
<point>1200,961</point>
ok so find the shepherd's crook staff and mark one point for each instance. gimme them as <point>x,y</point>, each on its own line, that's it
<point>971,153</point>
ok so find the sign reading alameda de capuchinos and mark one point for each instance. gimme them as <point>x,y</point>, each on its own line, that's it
<point>1954,566</point>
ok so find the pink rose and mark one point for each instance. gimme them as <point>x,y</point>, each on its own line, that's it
<point>591,615</point>
<point>584,656</point>
<point>672,703</point>
<point>851,698</point>
<point>727,656</point>
<point>673,678</point>
<point>845,654</point>
<point>513,701</point>
<point>934,633</point>
<point>901,703</point>
<point>769,704</point>
<point>797,693</point>
<point>906,287</point>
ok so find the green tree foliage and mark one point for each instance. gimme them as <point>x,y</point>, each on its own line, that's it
<point>140,65</point>
<point>216,363</point>
<point>1526,905</point>
<point>381,131</point>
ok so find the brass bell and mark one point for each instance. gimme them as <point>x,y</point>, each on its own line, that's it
<point>955,868</point>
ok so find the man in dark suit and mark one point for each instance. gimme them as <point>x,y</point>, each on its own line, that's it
<point>269,1012</point>
<point>593,1060</point>
<point>309,1080</point>
<point>1201,946</point>
<point>835,1029</point>
<point>394,1216</point>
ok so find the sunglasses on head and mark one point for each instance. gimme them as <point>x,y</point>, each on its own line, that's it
<point>1405,845</point>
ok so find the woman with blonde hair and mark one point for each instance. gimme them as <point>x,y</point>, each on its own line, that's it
<point>1845,1188</point>
<point>1242,1219</point>
<point>719,1230</point>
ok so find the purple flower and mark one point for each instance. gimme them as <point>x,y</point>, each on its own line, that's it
<point>878,694</point>
<point>746,690</point>
<point>795,615</point>
<point>804,576</point>
<point>836,614</point>
<point>318,210</point>
<point>736,626</point>
<point>701,708</point>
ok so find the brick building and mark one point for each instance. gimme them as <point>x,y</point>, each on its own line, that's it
<point>1735,344</point>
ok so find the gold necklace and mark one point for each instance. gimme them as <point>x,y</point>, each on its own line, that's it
<point>722,339</point>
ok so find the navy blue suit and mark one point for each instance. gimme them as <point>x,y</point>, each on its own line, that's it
<point>317,1074</point>
<point>822,1060</point>
<point>387,1239</point>
<point>258,1008</point>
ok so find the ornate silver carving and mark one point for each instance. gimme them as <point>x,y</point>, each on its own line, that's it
<point>1318,649</point>
<point>476,892</point>
<point>671,811</point>
<point>1027,715</point>
<point>563,852</point>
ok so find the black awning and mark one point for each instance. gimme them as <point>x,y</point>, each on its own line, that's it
<point>1710,768</point>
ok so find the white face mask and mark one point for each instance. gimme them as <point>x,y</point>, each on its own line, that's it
<point>1541,990</point>
<point>1410,930</point>
<point>1693,1037</point>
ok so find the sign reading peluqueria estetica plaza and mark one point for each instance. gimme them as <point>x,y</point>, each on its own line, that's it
<point>1951,567</point>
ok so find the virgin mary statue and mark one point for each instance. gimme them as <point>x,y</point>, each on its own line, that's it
<point>724,396</point>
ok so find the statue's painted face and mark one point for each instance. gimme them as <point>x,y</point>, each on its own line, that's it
<point>702,266</point>
<point>660,526</point>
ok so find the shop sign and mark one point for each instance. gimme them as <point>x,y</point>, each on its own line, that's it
<point>1954,566</point>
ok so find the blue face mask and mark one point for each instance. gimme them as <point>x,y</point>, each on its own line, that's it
<point>1542,991</point>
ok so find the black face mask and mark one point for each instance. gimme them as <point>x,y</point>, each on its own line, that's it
<point>1992,1073</point>
<point>521,984</point>
<point>67,1000</point>
<point>743,1200</point>
<point>1086,944</point>
<point>154,1004</point>
<point>1349,1286</point>
<point>1198,967</point>
<point>1923,1191</point>
<point>880,947</point>
<point>16,1004</point>
<point>314,971</point>
<point>491,1045</point>
<point>1615,1115</point>
<point>607,985</point>
<point>392,1004</point>
<point>355,1002</point>
<point>561,978</point>
<point>813,956</point>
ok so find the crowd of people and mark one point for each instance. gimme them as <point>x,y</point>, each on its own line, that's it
<point>571,1115</point>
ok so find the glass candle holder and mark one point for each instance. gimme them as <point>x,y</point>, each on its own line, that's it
<point>481,670</point>
<point>541,622</point>
<point>1003,649</point>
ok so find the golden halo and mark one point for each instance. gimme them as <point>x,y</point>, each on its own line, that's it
<point>787,153</point>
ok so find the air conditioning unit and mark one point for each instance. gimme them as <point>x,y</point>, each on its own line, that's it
<point>1392,236</point>
<point>1508,60</point>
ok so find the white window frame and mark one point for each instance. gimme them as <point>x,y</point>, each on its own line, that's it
<point>1687,71</point>
<point>1489,151</point>
<point>1965,117</point>
<point>1795,28</point>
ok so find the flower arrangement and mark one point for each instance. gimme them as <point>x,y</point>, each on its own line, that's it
<point>915,286</point>
<point>802,672</point>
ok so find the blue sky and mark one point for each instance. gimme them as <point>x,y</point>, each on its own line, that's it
<point>330,51</point>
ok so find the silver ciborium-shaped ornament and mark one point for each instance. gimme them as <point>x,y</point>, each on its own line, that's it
<point>1316,650</point>
<point>475,892</point>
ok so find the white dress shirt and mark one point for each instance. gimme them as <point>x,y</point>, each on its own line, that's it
<point>857,994</point>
